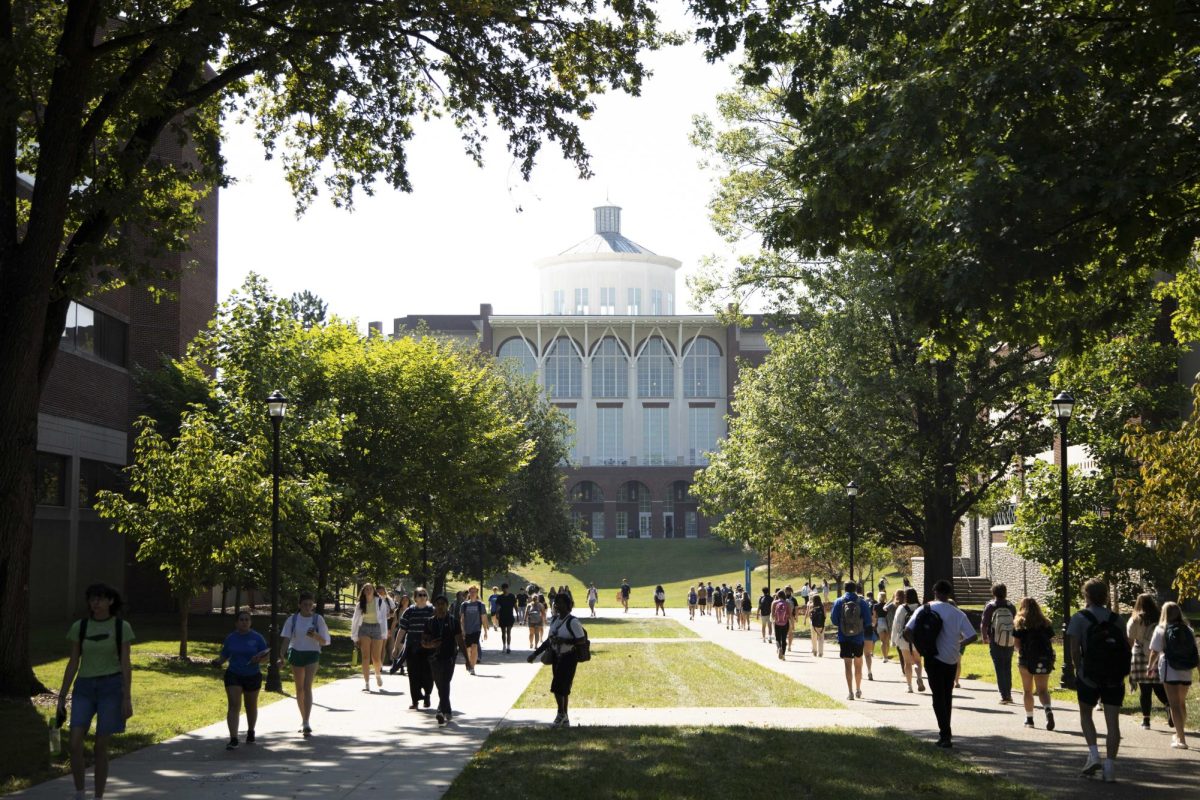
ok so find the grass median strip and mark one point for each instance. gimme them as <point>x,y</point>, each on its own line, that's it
<point>634,628</point>
<point>666,675</point>
<point>642,762</point>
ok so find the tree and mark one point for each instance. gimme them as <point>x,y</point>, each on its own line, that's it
<point>187,500</point>
<point>89,89</point>
<point>1038,158</point>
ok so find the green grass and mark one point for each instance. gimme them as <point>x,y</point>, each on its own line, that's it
<point>170,696</point>
<point>634,628</point>
<point>663,675</point>
<point>737,762</point>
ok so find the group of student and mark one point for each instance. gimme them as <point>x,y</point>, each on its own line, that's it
<point>729,605</point>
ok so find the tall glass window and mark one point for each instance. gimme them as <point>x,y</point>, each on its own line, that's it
<point>563,369</point>
<point>622,525</point>
<point>635,302</point>
<point>610,436</point>
<point>692,528</point>
<point>703,432</point>
<point>656,302</point>
<point>655,436</point>
<point>610,369</point>
<point>572,435</point>
<point>702,375</point>
<point>656,372</point>
<point>560,302</point>
<point>520,353</point>
<point>581,301</point>
<point>608,300</point>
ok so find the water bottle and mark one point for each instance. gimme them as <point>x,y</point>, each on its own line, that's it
<point>55,729</point>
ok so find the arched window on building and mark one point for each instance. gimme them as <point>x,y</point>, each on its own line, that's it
<point>519,352</point>
<point>563,369</point>
<point>610,369</point>
<point>656,370</point>
<point>702,373</point>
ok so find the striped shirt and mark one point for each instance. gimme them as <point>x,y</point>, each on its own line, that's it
<point>413,622</point>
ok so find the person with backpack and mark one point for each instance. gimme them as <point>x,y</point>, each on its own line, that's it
<point>1102,657</point>
<point>730,607</point>
<point>746,606</point>
<point>566,633</point>
<point>302,637</point>
<point>692,600</point>
<point>441,640</point>
<point>910,659</point>
<point>764,614</point>
<point>871,633</point>
<point>660,600</point>
<point>99,678</point>
<point>1034,640</point>
<point>1140,630</point>
<point>412,626</point>
<point>816,621</point>
<point>624,592</point>
<point>245,650</point>
<point>781,619</point>
<point>851,614</point>
<point>940,630</point>
<point>1173,653</point>
<point>474,620</point>
<point>996,631</point>
<point>887,618</point>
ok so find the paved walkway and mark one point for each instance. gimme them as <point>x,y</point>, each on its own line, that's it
<point>985,733</point>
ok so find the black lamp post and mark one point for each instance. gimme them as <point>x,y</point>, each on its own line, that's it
<point>852,492</point>
<point>1063,405</point>
<point>768,568</point>
<point>277,406</point>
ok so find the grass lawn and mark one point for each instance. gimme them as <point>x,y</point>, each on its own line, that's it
<point>738,762</point>
<point>170,696</point>
<point>662,675</point>
<point>634,628</point>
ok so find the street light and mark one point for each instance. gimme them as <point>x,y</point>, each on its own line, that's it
<point>277,407</point>
<point>1063,405</point>
<point>852,492</point>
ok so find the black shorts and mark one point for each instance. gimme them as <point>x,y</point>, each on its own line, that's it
<point>471,638</point>
<point>851,649</point>
<point>247,683</point>
<point>506,621</point>
<point>1108,695</point>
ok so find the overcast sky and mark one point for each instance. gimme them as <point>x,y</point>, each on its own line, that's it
<point>466,235</point>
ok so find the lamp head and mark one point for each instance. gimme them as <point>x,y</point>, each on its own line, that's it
<point>277,404</point>
<point>851,489</point>
<point>1063,404</point>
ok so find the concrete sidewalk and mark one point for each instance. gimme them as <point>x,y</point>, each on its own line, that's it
<point>356,738</point>
<point>986,733</point>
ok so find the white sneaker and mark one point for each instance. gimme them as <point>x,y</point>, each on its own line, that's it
<point>850,696</point>
<point>566,723</point>
<point>558,718</point>
<point>1090,767</point>
<point>1109,769</point>
<point>858,694</point>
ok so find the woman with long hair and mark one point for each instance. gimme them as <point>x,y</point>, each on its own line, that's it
<point>402,602</point>
<point>302,637</point>
<point>1034,639</point>
<point>1140,631</point>
<point>1173,653</point>
<point>910,659</point>
<point>535,616</point>
<point>660,599</point>
<point>369,631</point>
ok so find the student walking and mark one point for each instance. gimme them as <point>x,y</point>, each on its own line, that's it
<point>593,597</point>
<point>474,620</point>
<point>871,634</point>
<point>730,608</point>
<point>887,617</point>
<point>764,614</point>
<point>566,632</point>
<point>702,598</point>
<point>660,600</point>
<point>625,590</point>
<point>692,600</point>
<point>1139,631</point>
<point>535,615</point>
<point>506,612</point>
<point>851,614</point>
<point>442,639</point>
<point>744,618</point>
<point>816,619</point>
<point>1173,653</point>
<point>939,630</point>
<point>302,637</point>
<point>996,631</point>
<point>403,601</point>
<point>369,632</point>
<point>1034,640</point>
<point>910,659</point>
<point>781,618</point>
<point>412,626</point>
<point>245,650</point>
<point>99,677</point>
<point>1102,657</point>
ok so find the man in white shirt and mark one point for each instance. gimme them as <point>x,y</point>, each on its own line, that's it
<point>940,668</point>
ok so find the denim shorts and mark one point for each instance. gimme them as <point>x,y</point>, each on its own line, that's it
<point>371,630</point>
<point>100,697</point>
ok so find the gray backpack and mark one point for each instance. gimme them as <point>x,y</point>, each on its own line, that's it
<point>852,620</point>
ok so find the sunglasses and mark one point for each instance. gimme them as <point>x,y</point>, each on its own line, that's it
<point>422,594</point>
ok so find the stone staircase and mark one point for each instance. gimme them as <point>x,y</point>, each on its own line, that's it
<point>972,590</point>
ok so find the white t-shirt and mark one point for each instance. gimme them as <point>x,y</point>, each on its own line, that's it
<point>956,629</point>
<point>296,629</point>
<point>1158,643</point>
<point>570,633</point>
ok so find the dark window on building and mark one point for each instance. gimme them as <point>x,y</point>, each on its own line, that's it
<point>91,331</point>
<point>51,480</point>
<point>94,476</point>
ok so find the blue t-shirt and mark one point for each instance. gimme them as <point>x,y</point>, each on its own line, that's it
<point>239,648</point>
<point>835,616</point>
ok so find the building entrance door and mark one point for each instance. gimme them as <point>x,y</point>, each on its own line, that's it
<point>644,524</point>
<point>669,524</point>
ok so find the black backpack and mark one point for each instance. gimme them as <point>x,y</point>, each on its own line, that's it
<point>1180,648</point>
<point>764,605</point>
<point>1106,653</point>
<point>926,630</point>
<point>817,615</point>
<point>118,632</point>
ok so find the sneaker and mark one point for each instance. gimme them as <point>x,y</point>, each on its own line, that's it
<point>1029,722</point>
<point>944,743</point>
<point>558,718</point>
<point>1145,723</point>
<point>233,744</point>
<point>858,694</point>
<point>441,718</point>
<point>566,722</point>
<point>426,701</point>
<point>1178,745</point>
<point>367,688</point>
<point>920,686</point>
<point>306,730</point>
<point>249,737</point>
<point>850,696</point>
<point>1049,720</point>
<point>1109,771</point>
<point>870,677</point>
<point>471,670</point>
<point>910,691</point>
<point>1090,767</point>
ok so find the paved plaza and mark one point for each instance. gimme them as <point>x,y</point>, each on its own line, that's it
<point>367,742</point>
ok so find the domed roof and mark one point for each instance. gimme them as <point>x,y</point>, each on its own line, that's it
<point>608,237</point>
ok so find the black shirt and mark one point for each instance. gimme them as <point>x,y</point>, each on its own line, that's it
<point>446,630</point>
<point>506,605</point>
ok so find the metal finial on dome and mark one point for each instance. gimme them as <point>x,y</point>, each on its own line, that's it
<point>608,219</point>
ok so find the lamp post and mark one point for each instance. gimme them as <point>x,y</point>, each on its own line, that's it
<point>277,407</point>
<point>425,544</point>
<point>768,567</point>
<point>1063,405</point>
<point>852,492</point>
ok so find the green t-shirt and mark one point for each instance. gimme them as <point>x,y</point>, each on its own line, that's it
<point>99,650</point>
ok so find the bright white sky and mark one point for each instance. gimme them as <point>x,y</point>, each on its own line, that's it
<point>466,235</point>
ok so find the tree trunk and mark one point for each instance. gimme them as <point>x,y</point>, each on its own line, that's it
<point>939,543</point>
<point>237,598</point>
<point>183,625</point>
<point>225,599</point>
<point>322,585</point>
